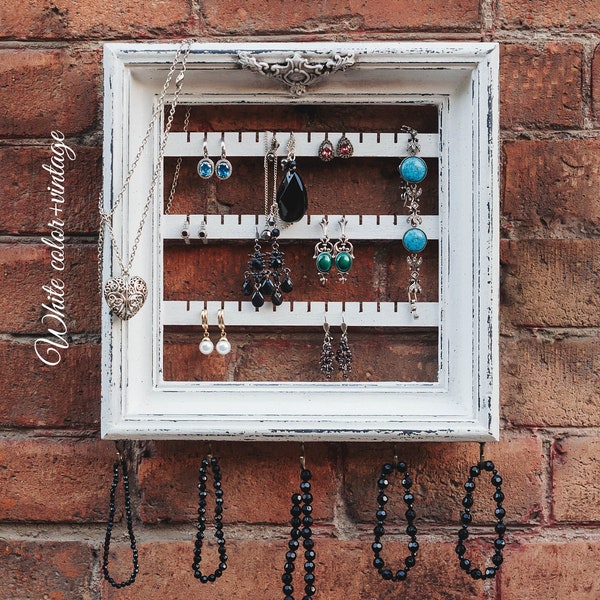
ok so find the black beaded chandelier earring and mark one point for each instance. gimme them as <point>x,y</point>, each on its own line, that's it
<point>267,276</point>
<point>212,463</point>
<point>301,532</point>
<point>409,562</point>
<point>120,463</point>
<point>466,519</point>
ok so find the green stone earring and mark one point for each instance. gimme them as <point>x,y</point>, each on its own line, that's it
<point>343,252</point>
<point>323,254</point>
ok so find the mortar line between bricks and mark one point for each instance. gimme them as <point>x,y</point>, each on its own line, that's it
<point>93,534</point>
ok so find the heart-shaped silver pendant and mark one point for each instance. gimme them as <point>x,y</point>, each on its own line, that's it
<point>125,296</point>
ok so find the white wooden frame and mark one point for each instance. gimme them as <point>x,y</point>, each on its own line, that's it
<point>462,81</point>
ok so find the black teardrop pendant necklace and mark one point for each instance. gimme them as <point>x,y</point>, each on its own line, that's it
<point>292,199</point>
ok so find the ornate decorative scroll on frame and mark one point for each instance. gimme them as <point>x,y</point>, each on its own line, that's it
<point>300,69</point>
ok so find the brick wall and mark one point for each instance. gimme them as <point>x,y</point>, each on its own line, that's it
<point>55,472</point>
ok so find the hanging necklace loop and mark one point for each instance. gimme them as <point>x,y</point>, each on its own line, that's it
<point>123,295</point>
<point>212,462</point>
<point>120,463</point>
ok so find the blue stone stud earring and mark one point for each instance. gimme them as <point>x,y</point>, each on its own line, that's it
<point>206,167</point>
<point>223,168</point>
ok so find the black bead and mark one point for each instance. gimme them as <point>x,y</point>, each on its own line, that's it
<point>475,471</point>
<point>296,499</point>
<point>499,497</point>
<point>410,561</point>
<point>276,298</point>
<point>402,467</point>
<point>496,480</point>
<point>383,483</point>
<point>476,574</point>
<point>499,544</point>
<point>469,486</point>
<point>309,566</point>
<point>409,499</point>
<point>377,546</point>
<point>305,475</point>
<point>310,555</point>
<point>500,528</point>
<point>488,465</point>
<point>410,514</point>
<point>381,514</point>
<point>413,546</point>
<point>407,483</point>
<point>387,469</point>
<point>379,530</point>
<point>467,501</point>
<point>500,513</point>
<point>288,589</point>
<point>287,577</point>
<point>465,563</point>
<point>497,559</point>
<point>309,578</point>
<point>490,572</point>
<point>378,563</point>
<point>386,574</point>
<point>411,530</point>
<point>466,518</point>
<point>401,575</point>
<point>286,285</point>
<point>463,533</point>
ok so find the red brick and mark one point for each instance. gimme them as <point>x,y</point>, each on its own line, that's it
<point>439,471</point>
<point>576,479</point>
<point>546,569</point>
<point>46,569</point>
<point>70,18</point>
<point>552,185</point>
<point>551,283</point>
<point>67,395</point>
<point>596,83</point>
<point>45,90</point>
<point>24,185</point>
<point>541,87</point>
<point>55,480</point>
<point>26,268</point>
<point>258,481</point>
<point>541,14</point>
<point>550,380</point>
<point>343,571</point>
<point>287,17</point>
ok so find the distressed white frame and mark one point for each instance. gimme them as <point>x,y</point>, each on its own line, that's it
<point>462,80</point>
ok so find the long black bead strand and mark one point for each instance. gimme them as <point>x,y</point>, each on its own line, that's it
<point>466,519</point>
<point>381,514</point>
<point>213,463</point>
<point>301,532</point>
<point>111,521</point>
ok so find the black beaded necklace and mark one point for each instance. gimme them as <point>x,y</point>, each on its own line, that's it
<point>466,519</point>
<point>111,521</point>
<point>381,514</point>
<point>301,523</point>
<point>218,520</point>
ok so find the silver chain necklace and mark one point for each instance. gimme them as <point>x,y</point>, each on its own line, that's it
<point>126,294</point>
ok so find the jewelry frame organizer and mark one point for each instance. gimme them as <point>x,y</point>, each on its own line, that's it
<point>461,81</point>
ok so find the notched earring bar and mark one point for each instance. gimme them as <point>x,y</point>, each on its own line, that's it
<point>413,170</point>
<point>120,463</point>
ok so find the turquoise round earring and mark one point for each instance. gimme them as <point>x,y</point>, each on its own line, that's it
<point>413,170</point>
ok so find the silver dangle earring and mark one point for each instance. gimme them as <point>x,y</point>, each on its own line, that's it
<point>206,345</point>
<point>343,253</point>
<point>223,345</point>
<point>223,168</point>
<point>343,354</point>
<point>413,170</point>
<point>326,360</point>
<point>206,167</point>
<point>323,254</point>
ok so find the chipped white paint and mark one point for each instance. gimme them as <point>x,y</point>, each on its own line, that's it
<point>462,80</point>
